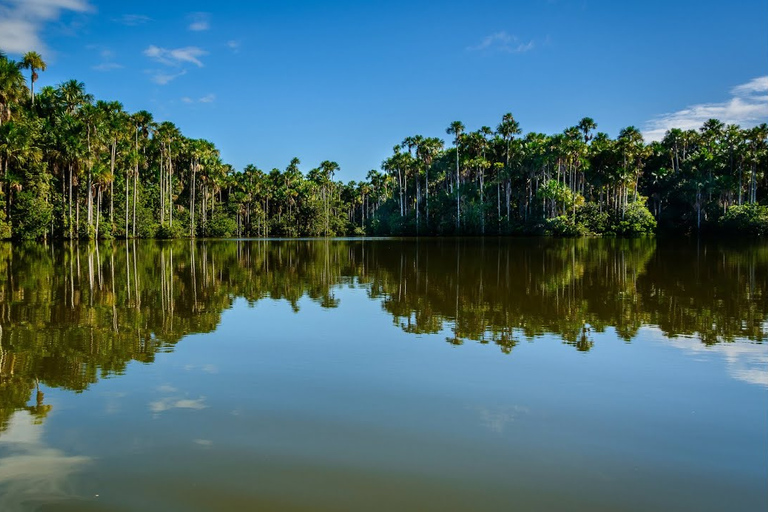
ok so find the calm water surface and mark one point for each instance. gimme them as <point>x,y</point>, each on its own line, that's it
<point>380,375</point>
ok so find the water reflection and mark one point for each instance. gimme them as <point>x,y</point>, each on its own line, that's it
<point>71,314</point>
<point>31,471</point>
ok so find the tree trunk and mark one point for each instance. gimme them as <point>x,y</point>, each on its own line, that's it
<point>70,202</point>
<point>112,186</point>
<point>458,192</point>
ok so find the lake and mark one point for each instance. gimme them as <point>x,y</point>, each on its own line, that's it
<point>380,375</point>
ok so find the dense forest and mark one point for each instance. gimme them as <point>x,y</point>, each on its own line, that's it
<point>74,167</point>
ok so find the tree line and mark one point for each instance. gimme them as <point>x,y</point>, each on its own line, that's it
<point>74,167</point>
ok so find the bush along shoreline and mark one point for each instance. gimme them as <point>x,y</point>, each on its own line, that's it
<point>76,167</point>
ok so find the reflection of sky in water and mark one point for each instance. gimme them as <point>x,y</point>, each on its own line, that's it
<point>29,470</point>
<point>168,403</point>
<point>747,362</point>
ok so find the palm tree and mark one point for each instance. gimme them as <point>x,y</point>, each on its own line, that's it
<point>456,128</point>
<point>426,151</point>
<point>327,170</point>
<point>144,126</point>
<point>72,94</point>
<point>33,62</point>
<point>12,87</point>
<point>508,128</point>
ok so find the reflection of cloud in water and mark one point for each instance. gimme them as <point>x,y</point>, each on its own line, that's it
<point>747,362</point>
<point>165,404</point>
<point>497,419</point>
<point>32,471</point>
<point>205,368</point>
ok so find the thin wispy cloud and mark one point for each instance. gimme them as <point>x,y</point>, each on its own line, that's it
<point>176,56</point>
<point>502,42</point>
<point>208,98</point>
<point>22,22</point>
<point>199,21</point>
<point>107,59</point>
<point>233,45</point>
<point>164,78</point>
<point>133,20</point>
<point>107,66</point>
<point>747,106</point>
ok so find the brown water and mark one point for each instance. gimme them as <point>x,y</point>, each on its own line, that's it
<point>527,374</point>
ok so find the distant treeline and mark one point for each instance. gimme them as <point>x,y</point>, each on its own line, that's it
<point>74,167</point>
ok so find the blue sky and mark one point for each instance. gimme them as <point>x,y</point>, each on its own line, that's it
<point>347,80</point>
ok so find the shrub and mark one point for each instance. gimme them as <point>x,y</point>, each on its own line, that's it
<point>637,220</point>
<point>593,220</point>
<point>166,231</point>
<point>221,226</point>
<point>564,226</point>
<point>748,219</point>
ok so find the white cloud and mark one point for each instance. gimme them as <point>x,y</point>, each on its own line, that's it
<point>503,42</point>
<point>22,22</point>
<point>233,45</point>
<point>200,21</point>
<point>163,78</point>
<point>176,56</point>
<point>107,66</point>
<point>747,106</point>
<point>133,20</point>
<point>208,98</point>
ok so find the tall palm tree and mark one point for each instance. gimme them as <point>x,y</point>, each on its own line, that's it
<point>33,62</point>
<point>456,128</point>
<point>428,148</point>
<point>12,87</point>
<point>327,170</point>
<point>507,129</point>
<point>144,126</point>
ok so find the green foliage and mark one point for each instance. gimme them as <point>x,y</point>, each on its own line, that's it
<point>5,226</point>
<point>69,147</point>
<point>637,220</point>
<point>32,216</point>
<point>593,220</point>
<point>565,226</point>
<point>221,226</point>
<point>166,231</point>
<point>748,219</point>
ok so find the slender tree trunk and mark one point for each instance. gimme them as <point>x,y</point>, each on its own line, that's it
<point>458,192</point>
<point>127,195</point>
<point>98,211</point>
<point>741,183</point>
<point>170,187</point>
<point>70,202</point>
<point>192,202</point>
<point>112,186</point>
<point>135,198</point>
<point>426,184</point>
<point>161,178</point>
<point>135,183</point>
